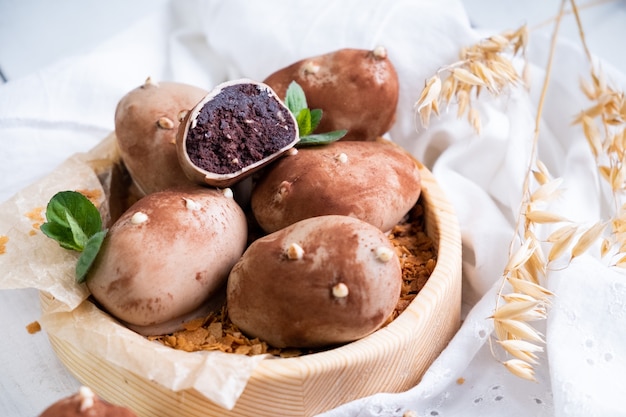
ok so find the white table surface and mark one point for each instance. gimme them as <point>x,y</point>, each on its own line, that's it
<point>36,33</point>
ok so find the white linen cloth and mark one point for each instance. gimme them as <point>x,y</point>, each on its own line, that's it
<point>67,108</point>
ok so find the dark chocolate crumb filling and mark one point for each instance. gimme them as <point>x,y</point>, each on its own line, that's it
<point>241,125</point>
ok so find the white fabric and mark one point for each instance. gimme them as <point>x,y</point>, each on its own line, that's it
<point>69,107</point>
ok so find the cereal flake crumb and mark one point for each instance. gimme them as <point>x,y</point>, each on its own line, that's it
<point>33,327</point>
<point>3,244</point>
<point>36,216</point>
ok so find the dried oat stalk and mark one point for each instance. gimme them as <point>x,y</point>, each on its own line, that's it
<point>522,299</point>
<point>487,66</point>
<point>604,126</point>
<point>528,300</point>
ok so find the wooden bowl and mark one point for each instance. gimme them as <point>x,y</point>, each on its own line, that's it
<point>392,359</point>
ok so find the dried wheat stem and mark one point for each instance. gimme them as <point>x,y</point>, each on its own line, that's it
<point>609,150</point>
<point>527,261</point>
<point>587,5</point>
<point>581,32</point>
<point>526,186</point>
<point>483,66</point>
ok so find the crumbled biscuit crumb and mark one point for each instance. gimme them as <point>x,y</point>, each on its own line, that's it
<point>3,244</point>
<point>93,195</point>
<point>417,253</point>
<point>33,327</point>
<point>36,216</point>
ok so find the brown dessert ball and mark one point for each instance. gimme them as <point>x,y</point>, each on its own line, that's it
<point>319,282</point>
<point>166,256</point>
<point>146,124</point>
<point>85,404</point>
<point>236,129</point>
<point>356,89</point>
<point>378,182</point>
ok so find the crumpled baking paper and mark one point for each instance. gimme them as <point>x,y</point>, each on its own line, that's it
<point>32,260</point>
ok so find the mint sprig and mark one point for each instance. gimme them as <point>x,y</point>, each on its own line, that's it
<point>75,223</point>
<point>308,119</point>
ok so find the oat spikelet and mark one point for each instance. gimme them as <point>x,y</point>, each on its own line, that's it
<point>520,368</point>
<point>520,257</point>
<point>562,232</point>
<point>516,297</point>
<point>547,191</point>
<point>500,330</point>
<point>430,93</point>
<point>519,330</point>
<point>605,247</point>
<point>521,349</point>
<point>515,310</point>
<point>541,174</point>
<point>530,289</point>
<point>592,132</point>
<point>561,241</point>
<point>485,65</point>
<point>588,238</point>
<point>541,216</point>
<point>429,100</point>
<point>621,262</point>
<point>465,76</point>
<point>474,119</point>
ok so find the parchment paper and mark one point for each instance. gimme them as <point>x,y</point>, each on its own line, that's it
<point>32,260</point>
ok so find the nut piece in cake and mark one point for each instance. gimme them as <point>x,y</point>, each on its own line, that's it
<point>167,256</point>
<point>357,89</point>
<point>237,128</point>
<point>146,124</point>
<point>85,403</point>
<point>319,282</point>
<point>377,182</point>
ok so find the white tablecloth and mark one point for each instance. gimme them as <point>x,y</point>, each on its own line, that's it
<point>69,106</point>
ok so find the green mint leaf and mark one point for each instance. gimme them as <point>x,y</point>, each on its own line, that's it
<point>78,234</point>
<point>92,247</point>
<point>316,117</point>
<point>56,212</point>
<point>63,235</point>
<point>321,138</point>
<point>304,122</point>
<point>71,219</point>
<point>87,215</point>
<point>295,99</point>
<point>308,120</point>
